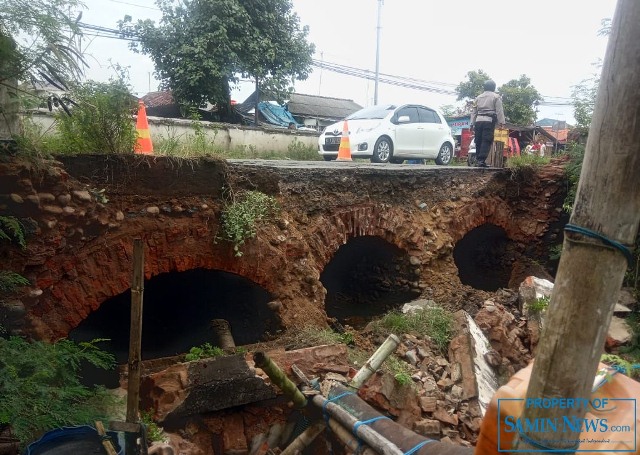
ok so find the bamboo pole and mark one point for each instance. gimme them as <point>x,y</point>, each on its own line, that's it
<point>222,336</point>
<point>374,362</point>
<point>135,342</point>
<point>280,379</point>
<point>106,442</point>
<point>590,273</point>
<point>304,439</point>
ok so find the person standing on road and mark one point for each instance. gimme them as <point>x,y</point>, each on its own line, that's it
<point>487,111</point>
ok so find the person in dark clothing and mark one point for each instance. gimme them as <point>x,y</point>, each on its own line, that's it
<point>487,111</point>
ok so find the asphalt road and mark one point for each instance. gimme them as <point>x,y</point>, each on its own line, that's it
<point>359,164</point>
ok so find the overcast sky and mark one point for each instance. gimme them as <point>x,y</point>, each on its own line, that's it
<point>554,42</point>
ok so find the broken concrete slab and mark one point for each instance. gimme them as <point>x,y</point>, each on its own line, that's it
<point>468,348</point>
<point>202,386</point>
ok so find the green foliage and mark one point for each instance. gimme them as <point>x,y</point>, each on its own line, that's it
<point>314,336</point>
<point>435,322</point>
<point>539,305</point>
<point>399,369</point>
<point>200,47</point>
<point>11,230</point>
<point>632,350</point>
<point>39,39</point>
<point>623,364</point>
<point>554,252</point>
<point>40,387</point>
<point>101,120</point>
<point>473,86</point>
<point>532,162</point>
<point>204,351</point>
<point>519,98</point>
<point>10,281</point>
<point>296,150</point>
<point>572,171</point>
<point>240,218</point>
<point>154,432</point>
<point>584,102</point>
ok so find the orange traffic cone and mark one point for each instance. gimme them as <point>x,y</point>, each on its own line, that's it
<point>143,144</point>
<point>344,151</point>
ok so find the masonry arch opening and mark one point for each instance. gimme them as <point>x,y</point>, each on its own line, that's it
<point>367,277</point>
<point>178,311</point>
<point>485,257</point>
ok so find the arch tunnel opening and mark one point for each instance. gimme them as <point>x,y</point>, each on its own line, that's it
<point>177,312</point>
<point>368,277</point>
<point>484,258</point>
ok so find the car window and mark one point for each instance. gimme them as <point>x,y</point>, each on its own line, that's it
<point>412,112</point>
<point>428,116</point>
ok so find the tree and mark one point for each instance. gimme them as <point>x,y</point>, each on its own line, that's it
<point>38,41</point>
<point>473,86</point>
<point>584,94</point>
<point>200,47</point>
<point>519,98</point>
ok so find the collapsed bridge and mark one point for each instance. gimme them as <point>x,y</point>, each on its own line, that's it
<point>347,243</point>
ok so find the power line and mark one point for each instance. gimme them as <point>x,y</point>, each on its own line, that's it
<point>134,4</point>
<point>390,79</point>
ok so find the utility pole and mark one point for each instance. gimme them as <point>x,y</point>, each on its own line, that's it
<point>375,93</point>
<point>591,270</point>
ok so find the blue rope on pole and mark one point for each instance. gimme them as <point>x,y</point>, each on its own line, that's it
<point>365,422</point>
<point>329,400</point>
<point>607,241</point>
<point>419,446</point>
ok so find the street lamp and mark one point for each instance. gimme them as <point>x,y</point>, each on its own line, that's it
<point>375,92</point>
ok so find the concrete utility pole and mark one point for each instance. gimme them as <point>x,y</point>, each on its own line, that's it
<point>590,273</point>
<point>375,93</point>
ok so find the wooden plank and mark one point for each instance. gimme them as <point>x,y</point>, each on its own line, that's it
<point>125,427</point>
<point>135,341</point>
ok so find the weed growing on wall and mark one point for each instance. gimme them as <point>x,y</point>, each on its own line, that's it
<point>240,217</point>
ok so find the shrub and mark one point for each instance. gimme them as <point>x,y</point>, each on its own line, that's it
<point>101,120</point>
<point>435,322</point>
<point>204,351</point>
<point>240,218</point>
<point>40,386</point>
<point>539,305</point>
<point>154,432</point>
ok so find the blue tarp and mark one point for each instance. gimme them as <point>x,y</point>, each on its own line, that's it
<point>275,114</point>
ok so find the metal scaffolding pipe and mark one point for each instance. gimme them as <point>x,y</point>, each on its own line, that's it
<point>277,376</point>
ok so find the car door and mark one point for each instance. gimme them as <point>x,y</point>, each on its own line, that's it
<point>409,134</point>
<point>434,131</point>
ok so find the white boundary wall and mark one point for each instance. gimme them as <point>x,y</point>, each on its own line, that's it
<point>223,135</point>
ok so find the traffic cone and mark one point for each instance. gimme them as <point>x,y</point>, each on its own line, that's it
<point>143,143</point>
<point>344,151</point>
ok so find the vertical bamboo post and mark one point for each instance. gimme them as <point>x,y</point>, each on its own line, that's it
<point>135,342</point>
<point>591,271</point>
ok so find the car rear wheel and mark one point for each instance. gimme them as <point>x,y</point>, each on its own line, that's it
<point>396,160</point>
<point>382,151</point>
<point>445,156</point>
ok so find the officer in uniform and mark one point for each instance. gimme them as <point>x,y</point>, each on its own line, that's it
<point>487,111</point>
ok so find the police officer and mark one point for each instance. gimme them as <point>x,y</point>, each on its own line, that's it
<point>487,111</point>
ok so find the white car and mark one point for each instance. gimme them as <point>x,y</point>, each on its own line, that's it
<point>392,134</point>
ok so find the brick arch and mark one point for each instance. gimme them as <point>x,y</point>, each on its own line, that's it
<point>74,286</point>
